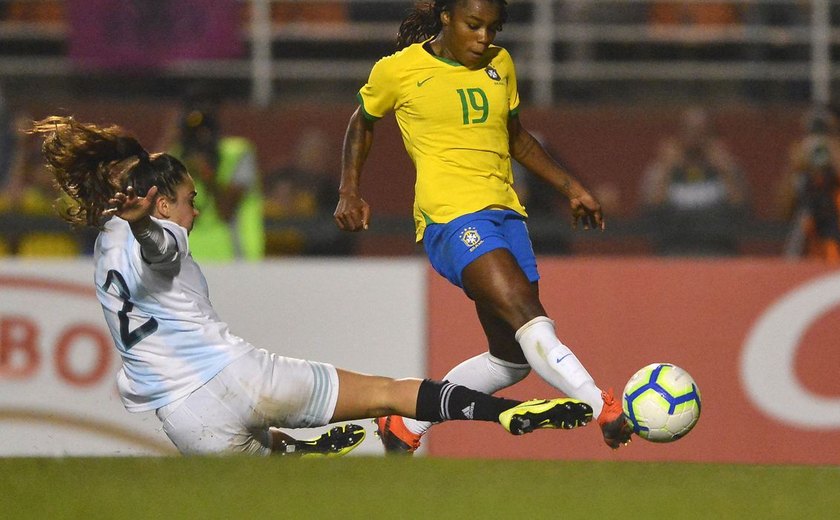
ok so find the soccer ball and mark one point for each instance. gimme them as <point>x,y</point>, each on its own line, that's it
<point>662,402</point>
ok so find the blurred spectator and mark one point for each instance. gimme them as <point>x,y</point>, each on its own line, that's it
<point>27,201</point>
<point>224,168</point>
<point>300,200</point>
<point>812,190</point>
<point>29,188</point>
<point>694,192</point>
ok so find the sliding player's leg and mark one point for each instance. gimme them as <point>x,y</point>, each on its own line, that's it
<point>435,401</point>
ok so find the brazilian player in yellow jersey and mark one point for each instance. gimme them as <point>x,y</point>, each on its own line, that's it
<point>454,124</point>
<point>455,98</point>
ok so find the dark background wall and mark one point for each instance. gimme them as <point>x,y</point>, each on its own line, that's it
<point>606,146</point>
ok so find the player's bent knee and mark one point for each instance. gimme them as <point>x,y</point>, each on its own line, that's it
<point>363,396</point>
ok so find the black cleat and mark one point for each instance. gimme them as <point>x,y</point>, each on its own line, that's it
<point>338,441</point>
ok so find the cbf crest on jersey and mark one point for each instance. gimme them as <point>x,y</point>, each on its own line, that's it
<point>470,237</point>
<point>493,73</point>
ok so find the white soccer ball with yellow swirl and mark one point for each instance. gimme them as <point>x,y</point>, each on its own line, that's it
<point>662,402</point>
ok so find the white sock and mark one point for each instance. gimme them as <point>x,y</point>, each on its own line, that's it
<point>556,364</point>
<point>484,373</point>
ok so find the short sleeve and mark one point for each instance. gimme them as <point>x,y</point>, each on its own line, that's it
<point>512,89</point>
<point>379,95</point>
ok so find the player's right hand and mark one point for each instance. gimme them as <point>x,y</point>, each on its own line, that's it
<point>352,213</point>
<point>131,207</point>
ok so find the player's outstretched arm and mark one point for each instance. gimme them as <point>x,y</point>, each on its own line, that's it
<point>158,247</point>
<point>526,149</point>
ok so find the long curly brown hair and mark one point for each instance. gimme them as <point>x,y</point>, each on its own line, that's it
<point>90,163</point>
<point>423,21</point>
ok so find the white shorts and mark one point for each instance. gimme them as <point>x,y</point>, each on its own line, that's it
<point>232,412</point>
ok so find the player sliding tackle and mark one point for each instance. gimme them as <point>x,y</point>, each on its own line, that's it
<point>214,392</point>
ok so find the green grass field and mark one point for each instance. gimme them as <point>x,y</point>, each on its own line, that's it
<point>395,488</point>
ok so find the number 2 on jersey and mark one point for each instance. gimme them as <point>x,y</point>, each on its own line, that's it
<point>129,338</point>
<point>477,102</point>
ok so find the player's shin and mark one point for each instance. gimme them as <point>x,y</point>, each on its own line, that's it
<point>556,363</point>
<point>484,373</point>
<point>444,401</point>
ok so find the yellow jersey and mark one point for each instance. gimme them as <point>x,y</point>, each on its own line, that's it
<point>453,122</point>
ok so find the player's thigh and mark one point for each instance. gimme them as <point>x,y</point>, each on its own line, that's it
<point>233,411</point>
<point>204,423</point>
<point>497,283</point>
<point>456,244</point>
<point>289,392</point>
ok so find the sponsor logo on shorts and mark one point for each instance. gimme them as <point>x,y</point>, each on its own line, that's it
<point>470,237</point>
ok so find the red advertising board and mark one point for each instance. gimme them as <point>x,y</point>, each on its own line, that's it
<point>760,337</point>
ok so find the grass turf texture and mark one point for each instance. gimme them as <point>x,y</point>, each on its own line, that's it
<point>362,487</point>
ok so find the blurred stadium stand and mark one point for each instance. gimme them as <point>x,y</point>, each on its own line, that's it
<point>603,78</point>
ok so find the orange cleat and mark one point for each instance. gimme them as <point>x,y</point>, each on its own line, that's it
<point>396,438</point>
<point>614,425</point>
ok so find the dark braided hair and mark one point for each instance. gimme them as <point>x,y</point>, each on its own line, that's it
<point>89,164</point>
<point>423,21</point>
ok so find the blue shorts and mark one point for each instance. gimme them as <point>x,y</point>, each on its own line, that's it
<point>453,246</point>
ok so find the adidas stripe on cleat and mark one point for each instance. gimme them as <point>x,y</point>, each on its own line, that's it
<point>338,441</point>
<point>539,414</point>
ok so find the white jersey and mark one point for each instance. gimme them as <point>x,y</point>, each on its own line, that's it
<point>160,316</point>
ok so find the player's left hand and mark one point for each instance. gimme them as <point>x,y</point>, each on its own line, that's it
<point>587,210</point>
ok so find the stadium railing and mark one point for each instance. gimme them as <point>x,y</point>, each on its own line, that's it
<point>566,49</point>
